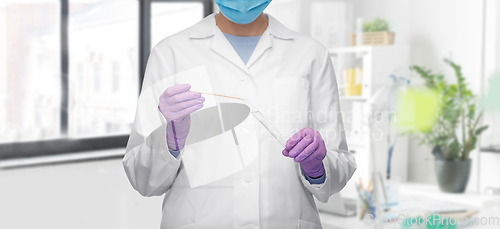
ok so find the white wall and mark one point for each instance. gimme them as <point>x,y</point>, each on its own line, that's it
<point>498,37</point>
<point>497,68</point>
<point>492,42</point>
<point>448,28</point>
<point>3,67</point>
<point>289,12</point>
<point>489,160</point>
<point>74,195</point>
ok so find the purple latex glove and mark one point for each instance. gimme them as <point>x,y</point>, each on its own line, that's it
<point>307,148</point>
<point>176,105</point>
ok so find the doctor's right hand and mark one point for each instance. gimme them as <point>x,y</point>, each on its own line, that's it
<point>176,105</point>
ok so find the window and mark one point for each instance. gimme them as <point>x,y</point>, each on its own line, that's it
<point>104,50</point>
<point>71,70</point>
<point>29,70</point>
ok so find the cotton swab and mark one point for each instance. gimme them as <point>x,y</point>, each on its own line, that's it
<point>226,96</point>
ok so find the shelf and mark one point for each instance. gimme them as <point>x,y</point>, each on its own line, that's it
<point>353,98</point>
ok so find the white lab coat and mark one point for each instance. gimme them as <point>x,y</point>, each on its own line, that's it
<point>288,73</point>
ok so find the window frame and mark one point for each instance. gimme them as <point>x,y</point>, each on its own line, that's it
<point>61,146</point>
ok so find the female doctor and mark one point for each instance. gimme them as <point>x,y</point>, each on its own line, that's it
<point>278,70</point>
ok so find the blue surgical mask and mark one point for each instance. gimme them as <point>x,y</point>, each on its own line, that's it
<point>242,11</point>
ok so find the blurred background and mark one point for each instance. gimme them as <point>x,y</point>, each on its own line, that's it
<point>71,70</point>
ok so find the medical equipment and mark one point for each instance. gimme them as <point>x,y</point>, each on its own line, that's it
<point>383,100</point>
<point>264,121</point>
<point>258,115</point>
<point>240,11</point>
<point>272,129</point>
<point>398,85</point>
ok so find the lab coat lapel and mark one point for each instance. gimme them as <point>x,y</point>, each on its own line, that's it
<point>265,43</point>
<point>221,46</point>
<point>275,30</point>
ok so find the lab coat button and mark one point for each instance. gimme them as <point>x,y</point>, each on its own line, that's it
<point>248,178</point>
<point>247,80</point>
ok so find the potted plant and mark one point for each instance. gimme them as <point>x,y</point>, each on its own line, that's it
<point>375,32</point>
<point>456,128</point>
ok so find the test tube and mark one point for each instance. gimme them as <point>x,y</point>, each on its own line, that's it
<point>272,129</point>
<point>266,123</point>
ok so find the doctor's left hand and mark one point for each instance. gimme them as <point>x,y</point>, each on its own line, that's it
<point>176,105</point>
<point>307,148</point>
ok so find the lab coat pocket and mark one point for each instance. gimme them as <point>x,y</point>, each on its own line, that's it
<point>290,104</point>
<point>308,225</point>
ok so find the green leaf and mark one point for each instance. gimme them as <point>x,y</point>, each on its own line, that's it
<point>480,130</point>
<point>472,111</point>
<point>376,25</point>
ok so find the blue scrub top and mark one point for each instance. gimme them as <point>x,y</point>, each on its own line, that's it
<point>244,46</point>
